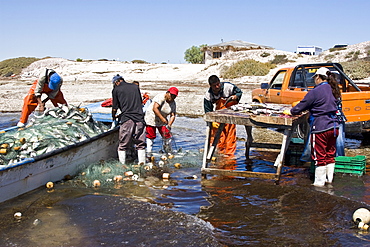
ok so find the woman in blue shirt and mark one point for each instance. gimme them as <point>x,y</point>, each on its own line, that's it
<point>322,102</point>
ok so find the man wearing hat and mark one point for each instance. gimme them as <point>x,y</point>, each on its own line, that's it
<point>49,83</point>
<point>127,98</point>
<point>117,79</point>
<point>162,106</point>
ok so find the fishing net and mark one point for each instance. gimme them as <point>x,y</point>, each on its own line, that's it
<point>56,128</point>
<point>108,173</point>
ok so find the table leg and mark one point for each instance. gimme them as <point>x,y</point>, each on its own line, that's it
<point>215,141</point>
<point>280,158</point>
<point>206,145</point>
<point>248,143</point>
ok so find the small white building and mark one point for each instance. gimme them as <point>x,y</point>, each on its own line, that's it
<point>309,50</point>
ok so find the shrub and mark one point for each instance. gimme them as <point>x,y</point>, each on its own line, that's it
<point>355,55</point>
<point>265,54</point>
<point>279,59</point>
<point>357,70</point>
<point>138,61</point>
<point>78,59</point>
<point>246,67</point>
<point>337,49</point>
<point>329,57</point>
<point>15,65</point>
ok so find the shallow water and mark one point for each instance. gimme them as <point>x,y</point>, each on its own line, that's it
<point>187,210</point>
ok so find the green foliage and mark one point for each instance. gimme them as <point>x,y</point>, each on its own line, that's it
<point>337,49</point>
<point>79,60</point>
<point>194,55</point>
<point>353,55</point>
<point>265,54</point>
<point>15,65</point>
<point>138,61</point>
<point>279,59</point>
<point>248,67</point>
<point>357,70</point>
<point>329,57</point>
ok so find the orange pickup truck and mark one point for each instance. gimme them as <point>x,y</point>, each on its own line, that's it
<point>292,84</point>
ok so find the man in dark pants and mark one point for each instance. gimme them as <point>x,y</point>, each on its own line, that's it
<point>127,98</point>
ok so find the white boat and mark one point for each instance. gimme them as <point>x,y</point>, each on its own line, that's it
<point>31,173</point>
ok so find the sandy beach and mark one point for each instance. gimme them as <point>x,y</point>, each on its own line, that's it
<point>85,83</point>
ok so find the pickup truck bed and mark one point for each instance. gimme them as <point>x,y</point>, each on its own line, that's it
<point>292,84</point>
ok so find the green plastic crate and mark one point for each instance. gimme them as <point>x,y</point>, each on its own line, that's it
<point>350,171</point>
<point>352,165</point>
<point>359,159</point>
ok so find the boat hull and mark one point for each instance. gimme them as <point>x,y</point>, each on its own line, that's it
<point>32,173</point>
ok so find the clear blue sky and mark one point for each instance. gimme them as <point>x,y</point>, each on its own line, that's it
<point>161,30</point>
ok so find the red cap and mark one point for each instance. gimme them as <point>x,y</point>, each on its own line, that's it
<point>173,90</point>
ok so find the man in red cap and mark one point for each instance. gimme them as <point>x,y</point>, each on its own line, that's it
<point>163,105</point>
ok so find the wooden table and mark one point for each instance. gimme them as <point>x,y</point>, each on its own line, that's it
<point>288,124</point>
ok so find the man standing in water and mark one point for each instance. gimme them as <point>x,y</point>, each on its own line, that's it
<point>222,95</point>
<point>163,105</point>
<point>127,98</point>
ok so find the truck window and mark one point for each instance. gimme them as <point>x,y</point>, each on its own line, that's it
<point>277,82</point>
<point>303,78</point>
<point>310,72</point>
<point>298,81</point>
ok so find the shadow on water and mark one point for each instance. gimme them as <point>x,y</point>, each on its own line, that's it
<point>186,210</point>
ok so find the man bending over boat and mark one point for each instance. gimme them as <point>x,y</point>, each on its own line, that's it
<point>49,83</point>
<point>127,98</point>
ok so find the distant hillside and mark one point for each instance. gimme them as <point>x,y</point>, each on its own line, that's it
<point>14,66</point>
<point>354,58</point>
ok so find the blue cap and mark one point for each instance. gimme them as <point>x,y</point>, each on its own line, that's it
<point>54,81</point>
<point>116,78</point>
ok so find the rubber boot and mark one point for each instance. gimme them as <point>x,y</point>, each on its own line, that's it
<point>149,146</point>
<point>330,172</point>
<point>122,157</point>
<point>320,176</point>
<point>141,154</point>
<point>20,125</point>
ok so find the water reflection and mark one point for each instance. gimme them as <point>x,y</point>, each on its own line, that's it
<point>187,210</point>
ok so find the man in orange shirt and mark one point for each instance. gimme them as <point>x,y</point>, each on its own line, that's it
<point>49,83</point>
